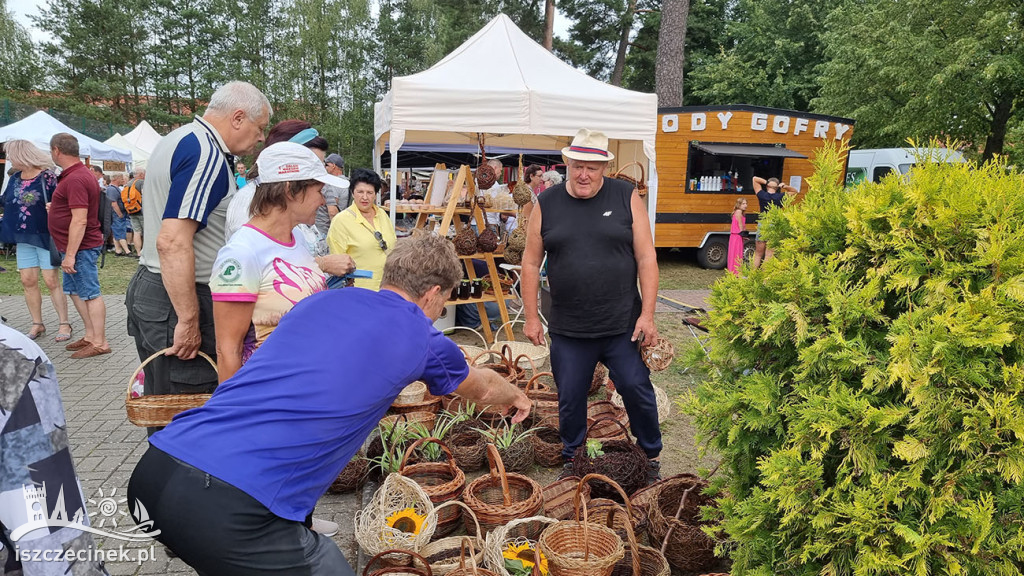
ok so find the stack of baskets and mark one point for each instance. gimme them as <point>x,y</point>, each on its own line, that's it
<point>579,547</point>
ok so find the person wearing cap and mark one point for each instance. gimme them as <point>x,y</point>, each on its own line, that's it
<point>229,484</point>
<point>265,268</point>
<point>363,230</point>
<point>337,198</point>
<point>595,232</point>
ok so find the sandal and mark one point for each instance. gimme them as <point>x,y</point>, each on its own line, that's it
<point>61,336</point>
<point>32,335</point>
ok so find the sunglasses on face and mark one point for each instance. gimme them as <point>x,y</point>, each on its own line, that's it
<point>380,240</point>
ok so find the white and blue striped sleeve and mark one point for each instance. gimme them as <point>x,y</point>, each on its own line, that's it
<point>199,179</point>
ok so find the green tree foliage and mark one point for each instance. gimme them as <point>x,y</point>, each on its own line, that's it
<point>770,56</point>
<point>20,67</point>
<point>926,68</point>
<point>865,386</point>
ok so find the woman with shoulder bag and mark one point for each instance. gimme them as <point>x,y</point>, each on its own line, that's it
<point>26,200</point>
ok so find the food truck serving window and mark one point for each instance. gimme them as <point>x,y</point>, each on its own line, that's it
<point>729,168</point>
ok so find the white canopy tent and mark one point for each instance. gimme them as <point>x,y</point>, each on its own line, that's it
<point>139,156</point>
<point>504,86</point>
<point>143,137</point>
<point>39,127</point>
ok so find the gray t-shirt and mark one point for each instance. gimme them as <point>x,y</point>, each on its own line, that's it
<point>334,196</point>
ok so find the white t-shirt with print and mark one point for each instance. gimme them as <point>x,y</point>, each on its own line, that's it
<point>253,267</point>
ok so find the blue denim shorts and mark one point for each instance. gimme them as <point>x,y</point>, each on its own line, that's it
<point>86,281</point>
<point>30,256</point>
<point>119,226</point>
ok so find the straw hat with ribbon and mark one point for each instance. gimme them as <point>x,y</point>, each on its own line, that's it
<point>589,146</point>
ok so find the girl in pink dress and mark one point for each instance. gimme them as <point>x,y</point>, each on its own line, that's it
<point>739,224</point>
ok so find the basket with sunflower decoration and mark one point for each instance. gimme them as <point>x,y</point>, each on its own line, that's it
<point>397,516</point>
<point>443,553</point>
<point>441,481</point>
<point>509,552</point>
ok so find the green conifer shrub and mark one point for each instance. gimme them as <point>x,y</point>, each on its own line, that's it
<point>865,386</point>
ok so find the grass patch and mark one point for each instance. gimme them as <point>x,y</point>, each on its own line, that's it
<point>680,271</point>
<point>114,276</point>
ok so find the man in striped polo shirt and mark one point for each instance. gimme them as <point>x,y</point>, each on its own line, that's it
<point>190,178</point>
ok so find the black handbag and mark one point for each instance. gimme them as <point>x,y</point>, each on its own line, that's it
<point>55,258</point>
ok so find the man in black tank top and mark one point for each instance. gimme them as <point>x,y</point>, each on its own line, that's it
<point>598,242</point>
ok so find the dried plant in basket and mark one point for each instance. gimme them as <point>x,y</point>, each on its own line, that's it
<point>499,497</point>
<point>513,446</point>
<point>441,481</point>
<point>579,547</point>
<point>443,554</point>
<point>675,523</point>
<point>659,355</point>
<point>397,516</point>
<point>621,460</point>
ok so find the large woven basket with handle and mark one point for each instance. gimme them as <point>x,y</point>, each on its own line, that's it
<point>158,410</point>
<point>538,354</point>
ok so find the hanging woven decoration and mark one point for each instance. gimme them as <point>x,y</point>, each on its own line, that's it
<point>513,256</point>
<point>486,175</point>
<point>488,240</point>
<point>517,238</point>
<point>465,241</point>
<point>521,194</point>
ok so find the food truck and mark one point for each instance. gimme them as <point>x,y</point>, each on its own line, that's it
<point>708,157</point>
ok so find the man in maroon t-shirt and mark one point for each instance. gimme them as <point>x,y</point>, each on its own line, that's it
<point>75,227</point>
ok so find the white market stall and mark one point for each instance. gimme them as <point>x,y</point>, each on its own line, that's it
<point>139,156</point>
<point>143,137</point>
<point>502,84</point>
<point>39,127</point>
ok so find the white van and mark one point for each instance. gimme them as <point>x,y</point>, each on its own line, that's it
<point>876,163</point>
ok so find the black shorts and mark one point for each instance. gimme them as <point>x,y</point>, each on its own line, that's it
<point>220,530</point>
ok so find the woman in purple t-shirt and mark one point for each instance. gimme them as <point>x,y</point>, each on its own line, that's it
<point>24,224</point>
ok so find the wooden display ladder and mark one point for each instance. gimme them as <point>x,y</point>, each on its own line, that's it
<point>449,213</point>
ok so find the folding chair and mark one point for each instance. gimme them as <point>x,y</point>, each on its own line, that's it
<point>516,271</point>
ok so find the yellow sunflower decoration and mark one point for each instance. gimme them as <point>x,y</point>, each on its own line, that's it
<point>520,558</point>
<point>407,521</point>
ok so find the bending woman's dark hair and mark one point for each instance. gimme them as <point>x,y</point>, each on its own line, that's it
<point>363,175</point>
<point>284,131</point>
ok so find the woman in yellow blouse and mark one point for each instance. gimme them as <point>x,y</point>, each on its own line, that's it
<point>363,230</point>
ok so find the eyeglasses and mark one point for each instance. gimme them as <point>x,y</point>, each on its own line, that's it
<point>380,240</point>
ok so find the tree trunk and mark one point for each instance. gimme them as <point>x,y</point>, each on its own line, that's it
<point>668,69</point>
<point>997,133</point>
<point>620,56</point>
<point>549,24</point>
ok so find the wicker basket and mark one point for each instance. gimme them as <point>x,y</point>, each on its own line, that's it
<point>639,183</point>
<point>442,481</point>
<point>659,355</point>
<point>558,497</point>
<point>430,403</point>
<point>411,394</point>
<point>443,553</point>
<point>664,404</point>
<point>382,564</point>
<point>469,450</point>
<point>353,476</point>
<point>537,354</point>
<point>523,530</point>
<point>397,493</point>
<point>473,569</point>
<point>158,410</point>
<point>676,524</point>
<point>602,417</point>
<point>535,389</point>
<point>547,448</point>
<point>497,498</point>
<point>652,563</point>
<point>518,457</point>
<point>471,352</point>
<point>579,547</point>
<point>623,461</point>
<point>425,418</point>
<point>545,401</point>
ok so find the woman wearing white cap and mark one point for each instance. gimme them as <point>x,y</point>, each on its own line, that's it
<point>265,269</point>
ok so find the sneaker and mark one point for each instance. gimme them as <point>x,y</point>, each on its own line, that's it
<point>567,470</point>
<point>653,471</point>
<point>325,527</point>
